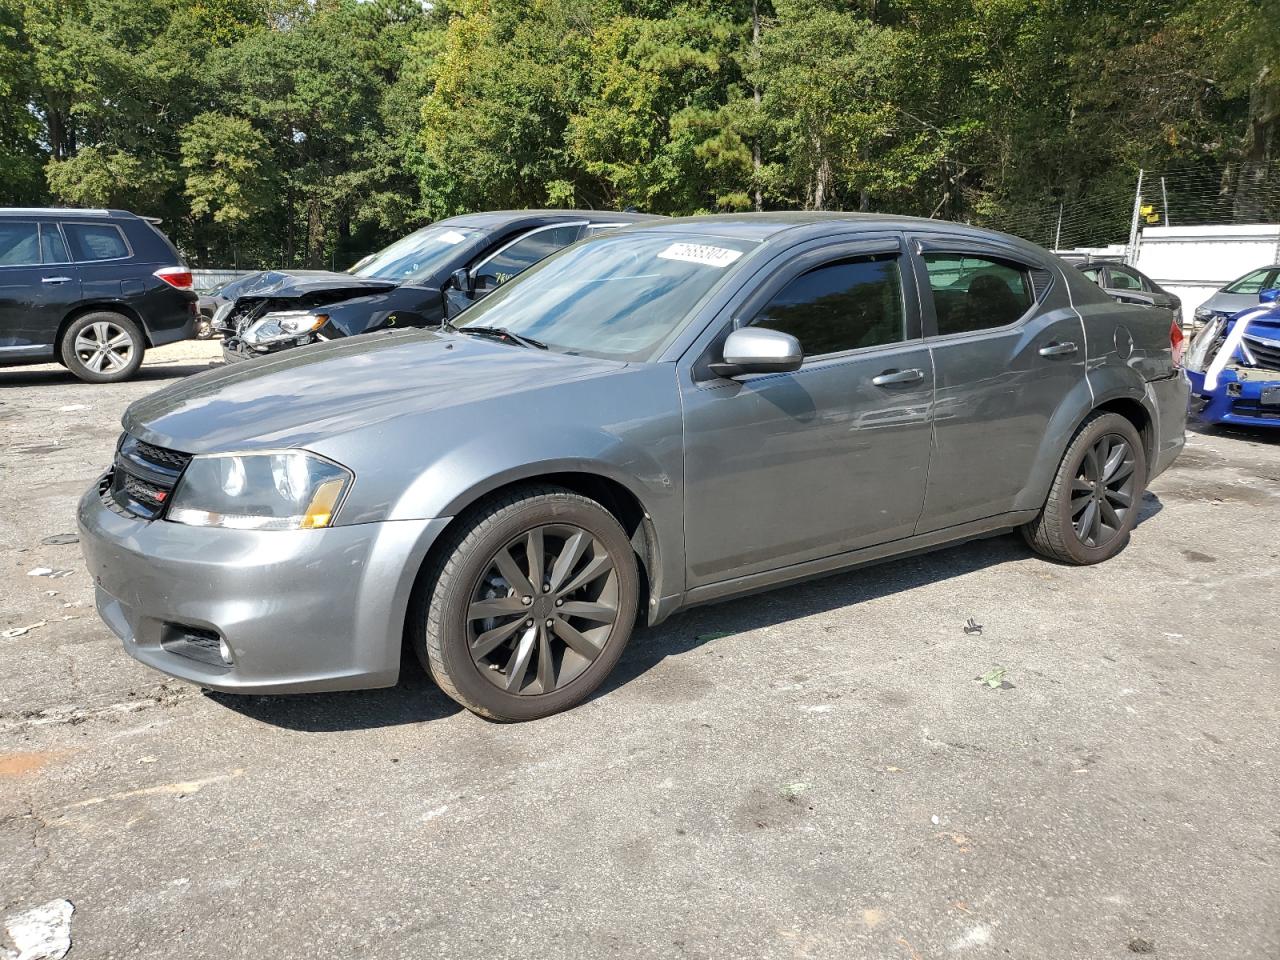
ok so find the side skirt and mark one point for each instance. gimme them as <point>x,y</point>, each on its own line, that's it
<point>828,566</point>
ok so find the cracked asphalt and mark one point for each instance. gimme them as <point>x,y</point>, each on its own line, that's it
<point>813,772</point>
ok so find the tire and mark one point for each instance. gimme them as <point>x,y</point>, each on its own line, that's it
<point>1077,524</point>
<point>534,656</point>
<point>123,341</point>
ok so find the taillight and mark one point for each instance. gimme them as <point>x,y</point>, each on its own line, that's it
<point>1177,342</point>
<point>177,277</point>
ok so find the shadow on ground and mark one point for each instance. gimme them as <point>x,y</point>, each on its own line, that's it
<point>49,377</point>
<point>416,698</point>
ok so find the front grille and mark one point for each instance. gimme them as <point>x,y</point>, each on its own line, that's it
<point>1267,354</point>
<point>142,478</point>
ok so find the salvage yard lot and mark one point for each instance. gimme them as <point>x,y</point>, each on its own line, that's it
<point>813,772</point>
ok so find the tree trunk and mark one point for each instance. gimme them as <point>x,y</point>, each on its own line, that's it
<point>1255,167</point>
<point>755,93</point>
<point>821,194</point>
<point>315,236</point>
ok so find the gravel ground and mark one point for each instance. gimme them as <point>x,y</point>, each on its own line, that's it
<point>813,772</point>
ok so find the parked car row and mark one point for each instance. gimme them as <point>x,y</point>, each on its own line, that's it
<point>662,414</point>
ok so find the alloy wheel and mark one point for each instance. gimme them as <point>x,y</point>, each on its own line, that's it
<point>543,609</point>
<point>1102,492</point>
<point>104,347</point>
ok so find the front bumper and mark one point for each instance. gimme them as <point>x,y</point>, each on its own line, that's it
<point>300,610</point>
<point>234,349</point>
<point>1234,401</point>
<point>1167,399</point>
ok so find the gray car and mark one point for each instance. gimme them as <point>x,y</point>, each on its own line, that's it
<point>669,415</point>
<point>1239,294</point>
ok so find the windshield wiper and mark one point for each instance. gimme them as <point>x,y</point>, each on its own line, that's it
<point>502,333</point>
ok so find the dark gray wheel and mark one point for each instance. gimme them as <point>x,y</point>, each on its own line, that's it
<point>103,347</point>
<point>1094,501</point>
<point>533,600</point>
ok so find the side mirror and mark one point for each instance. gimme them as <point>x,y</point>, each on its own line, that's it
<point>758,350</point>
<point>461,279</point>
<point>1269,296</point>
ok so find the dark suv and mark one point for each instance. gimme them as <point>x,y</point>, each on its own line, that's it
<point>91,289</point>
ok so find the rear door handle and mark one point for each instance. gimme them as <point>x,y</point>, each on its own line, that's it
<point>1058,349</point>
<point>55,279</point>
<point>890,377</point>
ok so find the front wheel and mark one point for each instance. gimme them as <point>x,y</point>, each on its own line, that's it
<point>103,347</point>
<point>529,606</point>
<point>1096,494</point>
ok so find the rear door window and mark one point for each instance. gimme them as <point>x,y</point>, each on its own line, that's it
<point>19,244</point>
<point>1122,279</point>
<point>96,241</point>
<point>847,305</point>
<point>523,254</point>
<point>52,249</point>
<point>972,292</point>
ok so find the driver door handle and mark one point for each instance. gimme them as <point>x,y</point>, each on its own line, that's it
<point>1058,349</point>
<point>890,377</point>
<point>55,279</point>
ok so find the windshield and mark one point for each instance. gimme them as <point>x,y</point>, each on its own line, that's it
<point>416,256</point>
<point>617,296</point>
<point>1249,283</point>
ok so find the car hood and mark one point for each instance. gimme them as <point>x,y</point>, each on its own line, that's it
<point>1230,303</point>
<point>303,396</point>
<point>280,284</point>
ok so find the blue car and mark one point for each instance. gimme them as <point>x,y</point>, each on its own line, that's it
<point>1234,366</point>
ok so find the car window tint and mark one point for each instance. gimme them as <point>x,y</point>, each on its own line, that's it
<point>1249,283</point>
<point>840,306</point>
<point>524,253</point>
<point>51,246</point>
<point>19,245</point>
<point>1124,280</point>
<point>976,293</point>
<point>95,241</point>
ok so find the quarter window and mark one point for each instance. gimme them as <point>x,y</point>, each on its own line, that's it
<point>96,241</point>
<point>19,244</point>
<point>51,246</point>
<point>976,293</point>
<point>524,253</point>
<point>1093,273</point>
<point>840,306</point>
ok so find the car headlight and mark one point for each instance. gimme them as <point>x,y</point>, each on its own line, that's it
<point>284,325</point>
<point>284,490</point>
<point>1203,313</point>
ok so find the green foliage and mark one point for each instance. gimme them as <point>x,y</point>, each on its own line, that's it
<point>288,132</point>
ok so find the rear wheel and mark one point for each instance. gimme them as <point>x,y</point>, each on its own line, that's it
<point>1096,494</point>
<point>102,347</point>
<point>529,606</point>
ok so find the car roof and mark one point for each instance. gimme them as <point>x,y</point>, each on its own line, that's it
<point>67,212</point>
<point>500,218</point>
<point>764,226</point>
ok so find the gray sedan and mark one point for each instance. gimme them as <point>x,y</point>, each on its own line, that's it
<point>665,416</point>
<point>1239,294</point>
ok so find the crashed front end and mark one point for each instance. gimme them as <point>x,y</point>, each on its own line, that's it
<point>254,327</point>
<point>277,311</point>
<point>1234,367</point>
